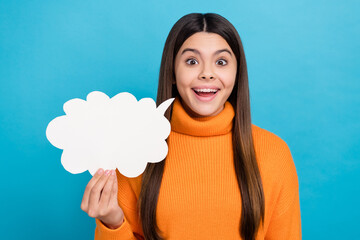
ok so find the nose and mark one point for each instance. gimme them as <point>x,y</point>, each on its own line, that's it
<point>207,73</point>
<point>208,76</point>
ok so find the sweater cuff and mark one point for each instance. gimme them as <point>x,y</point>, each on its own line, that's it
<point>122,232</point>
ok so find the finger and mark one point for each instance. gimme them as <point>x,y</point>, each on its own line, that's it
<point>105,195</point>
<point>95,194</point>
<point>89,186</point>
<point>114,192</point>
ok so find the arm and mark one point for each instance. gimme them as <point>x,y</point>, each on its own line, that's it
<point>285,222</point>
<point>124,232</point>
<point>288,224</point>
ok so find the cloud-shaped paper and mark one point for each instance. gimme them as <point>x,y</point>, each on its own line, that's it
<point>118,132</point>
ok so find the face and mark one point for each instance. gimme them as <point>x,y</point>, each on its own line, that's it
<point>205,71</point>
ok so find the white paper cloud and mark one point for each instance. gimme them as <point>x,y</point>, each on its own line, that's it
<point>118,132</point>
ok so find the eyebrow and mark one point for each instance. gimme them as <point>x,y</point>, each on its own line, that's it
<point>197,52</point>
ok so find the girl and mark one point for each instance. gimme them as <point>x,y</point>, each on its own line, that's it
<point>223,177</point>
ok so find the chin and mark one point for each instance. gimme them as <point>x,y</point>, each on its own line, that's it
<point>205,113</point>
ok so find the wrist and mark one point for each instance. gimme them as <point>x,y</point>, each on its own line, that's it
<point>118,225</point>
<point>114,226</point>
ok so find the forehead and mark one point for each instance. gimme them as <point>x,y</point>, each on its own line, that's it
<point>205,42</point>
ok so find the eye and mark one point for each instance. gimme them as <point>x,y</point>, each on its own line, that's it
<point>223,62</point>
<point>191,61</point>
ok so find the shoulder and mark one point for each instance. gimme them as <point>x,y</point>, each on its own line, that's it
<point>278,173</point>
<point>266,142</point>
<point>263,137</point>
<point>273,155</point>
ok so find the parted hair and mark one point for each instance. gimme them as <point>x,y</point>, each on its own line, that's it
<point>245,164</point>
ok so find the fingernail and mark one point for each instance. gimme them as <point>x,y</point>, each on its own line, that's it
<point>100,171</point>
<point>113,172</point>
<point>107,172</point>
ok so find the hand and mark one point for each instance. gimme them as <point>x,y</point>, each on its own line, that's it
<point>100,199</point>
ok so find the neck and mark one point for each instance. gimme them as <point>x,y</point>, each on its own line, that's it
<point>183,122</point>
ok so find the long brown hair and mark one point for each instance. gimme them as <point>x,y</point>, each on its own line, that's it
<point>246,168</point>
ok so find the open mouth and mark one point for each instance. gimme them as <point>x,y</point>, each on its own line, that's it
<point>205,92</point>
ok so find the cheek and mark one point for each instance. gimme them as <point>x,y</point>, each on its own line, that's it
<point>184,77</point>
<point>228,78</point>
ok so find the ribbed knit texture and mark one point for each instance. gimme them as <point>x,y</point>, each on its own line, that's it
<point>199,196</point>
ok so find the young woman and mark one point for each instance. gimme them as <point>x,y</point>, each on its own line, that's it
<point>223,177</point>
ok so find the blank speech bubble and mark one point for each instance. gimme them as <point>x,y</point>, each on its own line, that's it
<point>118,132</point>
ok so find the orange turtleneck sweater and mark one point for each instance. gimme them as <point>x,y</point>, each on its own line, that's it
<point>199,196</point>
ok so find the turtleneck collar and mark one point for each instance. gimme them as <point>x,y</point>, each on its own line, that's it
<point>220,124</point>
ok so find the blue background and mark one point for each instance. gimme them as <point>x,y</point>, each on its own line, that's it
<point>303,64</point>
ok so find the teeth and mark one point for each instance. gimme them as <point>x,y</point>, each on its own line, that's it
<point>205,90</point>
